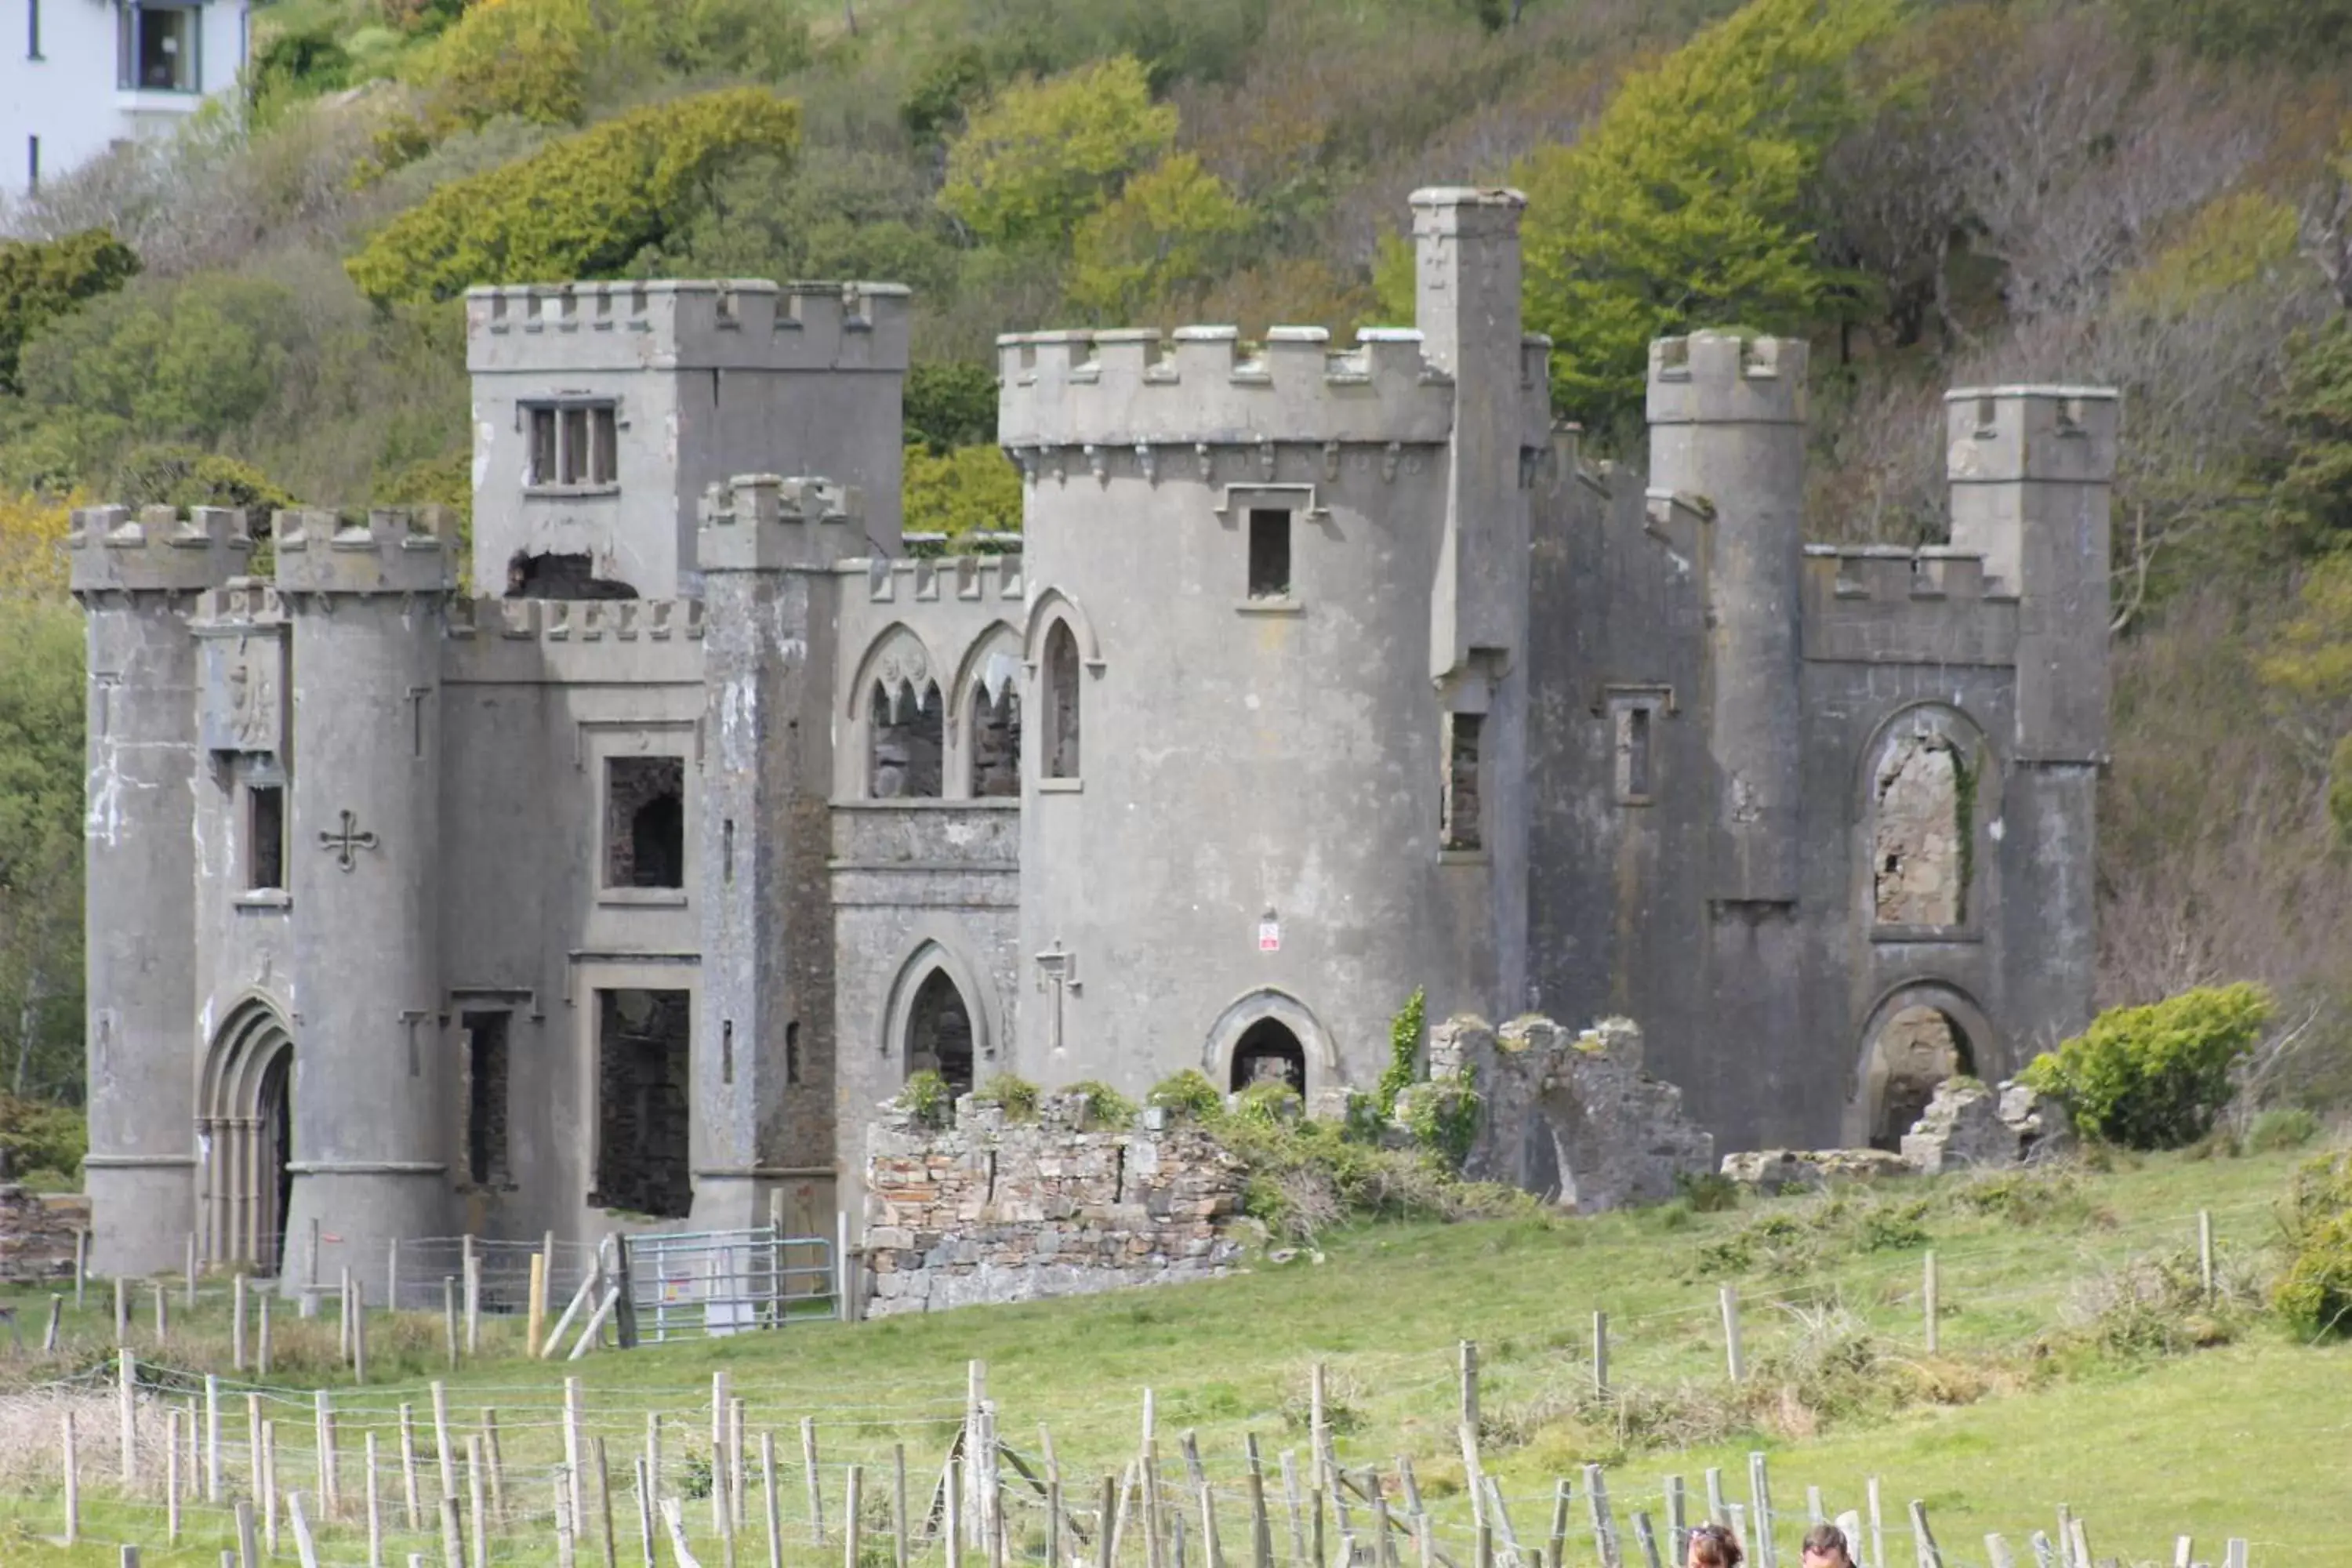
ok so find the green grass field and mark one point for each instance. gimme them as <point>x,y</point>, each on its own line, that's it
<point>2013,1418</point>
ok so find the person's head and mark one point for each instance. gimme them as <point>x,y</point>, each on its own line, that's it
<point>1713,1546</point>
<point>1825,1547</point>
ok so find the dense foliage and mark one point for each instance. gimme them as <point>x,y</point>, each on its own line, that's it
<point>2315,1293</point>
<point>2155,1076</point>
<point>41,280</point>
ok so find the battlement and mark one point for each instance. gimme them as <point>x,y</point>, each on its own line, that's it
<point>1722,378</point>
<point>243,602</point>
<point>578,620</point>
<point>683,324</point>
<point>396,550</point>
<point>1890,573</point>
<point>1881,604</point>
<point>157,548</point>
<point>1120,389</point>
<point>2001,435</point>
<point>973,577</point>
<point>764,523</point>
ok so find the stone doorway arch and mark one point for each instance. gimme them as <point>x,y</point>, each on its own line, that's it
<point>940,1036</point>
<point>1917,1036</point>
<point>1269,1051</point>
<point>244,1139</point>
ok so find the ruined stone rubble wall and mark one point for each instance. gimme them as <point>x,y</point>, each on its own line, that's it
<point>992,1210</point>
<point>36,1234</point>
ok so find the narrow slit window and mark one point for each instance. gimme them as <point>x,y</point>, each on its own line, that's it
<point>1061,737</point>
<point>1269,554</point>
<point>486,1099</point>
<point>265,838</point>
<point>542,447</point>
<point>1461,826</point>
<point>1635,767</point>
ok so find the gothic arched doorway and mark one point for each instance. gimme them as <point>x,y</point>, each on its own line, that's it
<point>1913,1051</point>
<point>244,1132</point>
<point>939,1031</point>
<point>1268,1051</point>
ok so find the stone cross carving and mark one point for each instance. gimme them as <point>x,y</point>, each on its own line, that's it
<point>1057,972</point>
<point>347,840</point>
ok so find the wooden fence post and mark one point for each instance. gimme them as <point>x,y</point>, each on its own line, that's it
<point>1730,1301</point>
<point>1469,1384</point>
<point>1599,1360</point>
<point>1928,1303</point>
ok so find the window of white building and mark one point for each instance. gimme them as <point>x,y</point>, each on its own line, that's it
<point>160,46</point>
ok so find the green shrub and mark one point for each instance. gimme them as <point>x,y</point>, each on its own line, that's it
<point>1443,1117</point>
<point>189,476</point>
<point>38,1138</point>
<point>1042,155</point>
<point>582,206</point>
<point>1187,1096</point>
<point>1404,1050</point>
<point>952,403</point>
<point>42,280</point>
<point>1271,1103</point>
<point>929,1099</point>
<point>2155,1077</point>
<point>2315,1293</point>
<point>2156,1304</point>
<point>1017,1097</point>
<point>1106,1109</point>
<point>2290,1128</point>
<point>1707,1192</point>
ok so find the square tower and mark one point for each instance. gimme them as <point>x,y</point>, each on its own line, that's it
<point>601,411</point>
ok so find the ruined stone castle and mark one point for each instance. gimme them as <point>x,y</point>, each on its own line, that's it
<point>618,889</point>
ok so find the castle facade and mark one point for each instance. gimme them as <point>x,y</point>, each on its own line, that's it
<point>617,893</point>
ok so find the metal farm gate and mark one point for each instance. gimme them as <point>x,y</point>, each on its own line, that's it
<point>693,1284</point>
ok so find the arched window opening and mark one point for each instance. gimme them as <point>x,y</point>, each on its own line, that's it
<point>1919,833</point>
<point>244,1132</point>
<point>906,742</point>
<point>939,1033</point>
<point>1914,1051</point>
<point>1268,1052</point>
<point>1061,749</point>
<point>995,743</point>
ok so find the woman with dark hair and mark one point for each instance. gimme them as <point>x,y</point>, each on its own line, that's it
<point>1713,1546</point>
<point>1825,1547</point>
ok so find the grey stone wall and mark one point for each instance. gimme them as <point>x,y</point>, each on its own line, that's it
<point>991,1210</point>
<point>36,1234</point>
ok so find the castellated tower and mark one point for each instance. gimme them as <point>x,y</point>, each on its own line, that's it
<point>591,399</point>
<point>1275,605</point>
<point>139,579</point>
<point>368,604</point>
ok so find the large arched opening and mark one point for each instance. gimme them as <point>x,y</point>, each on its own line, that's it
<point>1268,1052</point>
<point>939,1034</point>
<point>1916,1039</point>
<point>244,1132</point>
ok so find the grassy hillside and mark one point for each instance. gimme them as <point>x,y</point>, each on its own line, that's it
<point>2044,1390</point>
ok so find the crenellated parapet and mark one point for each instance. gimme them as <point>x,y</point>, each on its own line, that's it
<point>764,523</point>
<point>156,550</point>
<point>723,323</point>
<point>1723,378</point>
<point>580,620</point>
<point>971,577</point>
<point>1130,391</point>
<point>1883,604</point>
<point>2003,435</point>
<point>395,550</point>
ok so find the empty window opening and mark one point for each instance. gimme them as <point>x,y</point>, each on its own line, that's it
<point>33,30</point>
<point>643,1121</point>
<point>727,1051</point>
<point>1269,1053</point>
<point>792,1051</point>
<point>1916,1050</point>
<point>995,743</point>
<point>1061,737</point>
<point>549,576</point>
<point>1919,837</point>
<point>1633,754</point>
<point>1269,554</point>
<point>939,1033</point>
<point>158,45</point>
<point>645,822</point>
<point>32,162</point>
<point>906,742</point>
<point>1460,827</point>
<point>486,1099</point>
<point>572,445</point>
<point>265,828</point>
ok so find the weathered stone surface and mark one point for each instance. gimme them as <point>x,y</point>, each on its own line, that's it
<point>1968,1125</point>
<point>36,1233</point>
<point>1039,1208</point>
<point>1571,1116</point>
<point>1800,1170</point>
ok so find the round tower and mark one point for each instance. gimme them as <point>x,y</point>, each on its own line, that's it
<point>1727,438</point>
<point>368,602</point>
<point>138,579</point>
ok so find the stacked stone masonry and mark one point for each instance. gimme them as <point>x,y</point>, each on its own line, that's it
<point>1479,717</point>
<point>993,1209</point>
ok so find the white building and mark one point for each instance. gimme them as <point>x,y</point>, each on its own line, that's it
<point>78,76</point>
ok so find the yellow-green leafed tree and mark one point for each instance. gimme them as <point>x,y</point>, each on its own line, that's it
<point>967,489</point>
<point>1684,205</point>
<point>579,208</point>
<point>33,530</point>
<point>1175,225</point>
<point>528,59</point>
<point>1041,155</point>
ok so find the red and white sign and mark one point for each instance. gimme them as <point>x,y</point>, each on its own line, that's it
<point>1269,936</point>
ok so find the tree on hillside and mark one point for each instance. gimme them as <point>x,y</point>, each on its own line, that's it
<point>42,280</point>
<point>41,716</point>
<point>1174,227</point>
<point>582,206</point>
<point>1684,205</point>
<point>1042,155</point>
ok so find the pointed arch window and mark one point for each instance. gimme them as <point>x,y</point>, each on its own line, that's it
<point>1059,751</point>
